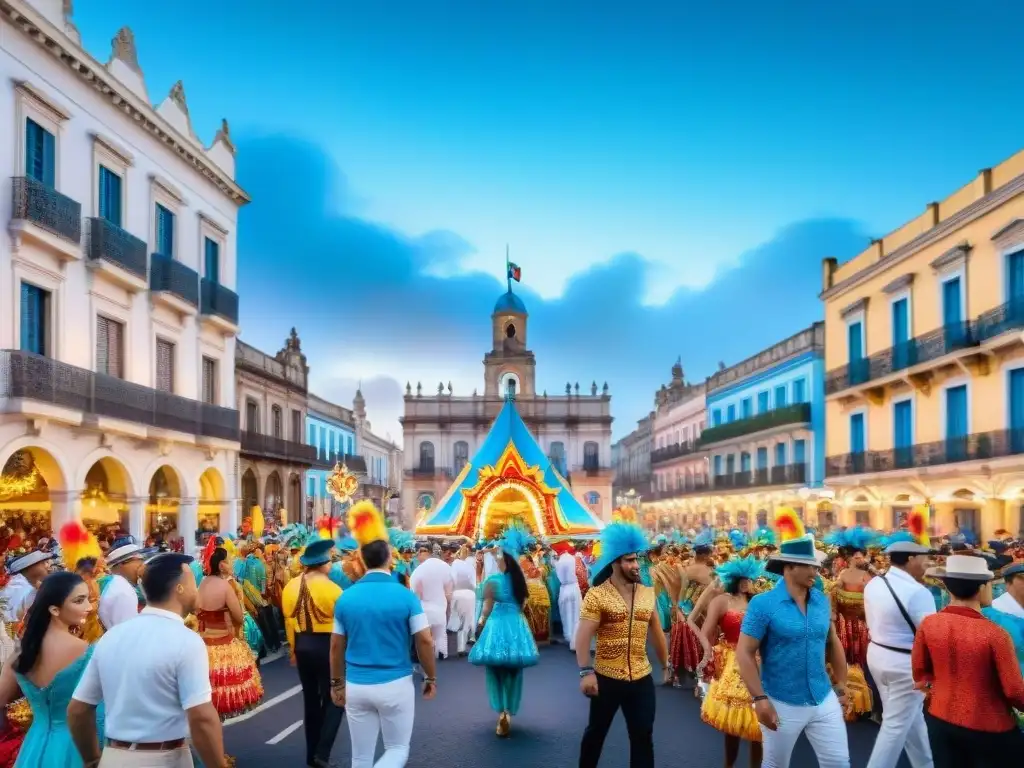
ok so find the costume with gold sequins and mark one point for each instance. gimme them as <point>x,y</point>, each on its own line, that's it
<point>621,636</point>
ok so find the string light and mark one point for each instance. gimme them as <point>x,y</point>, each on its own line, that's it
<point>11,486</point>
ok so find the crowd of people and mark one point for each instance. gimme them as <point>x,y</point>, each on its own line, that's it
<point>128,655</point>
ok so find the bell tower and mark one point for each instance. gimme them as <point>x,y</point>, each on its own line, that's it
<point>509,368</point>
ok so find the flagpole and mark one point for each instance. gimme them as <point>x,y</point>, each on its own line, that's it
<point>508,271</point>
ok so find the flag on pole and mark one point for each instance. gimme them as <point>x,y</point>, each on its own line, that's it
<point>514,272</point>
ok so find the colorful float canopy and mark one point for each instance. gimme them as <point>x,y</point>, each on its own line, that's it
<point>510,479</point>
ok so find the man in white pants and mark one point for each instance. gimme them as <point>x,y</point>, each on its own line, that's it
<point>569,597</point>
<point>433,584</point>
<point>463,611</point>
<point>892,638</point>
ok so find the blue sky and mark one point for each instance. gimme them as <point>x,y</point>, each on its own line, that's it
<point>668,175</point>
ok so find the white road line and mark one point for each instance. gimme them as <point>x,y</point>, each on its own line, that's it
<point>286,733</point>
<point>264,706</point>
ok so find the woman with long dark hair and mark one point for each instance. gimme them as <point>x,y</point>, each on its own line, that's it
<point>505,644</point>
<point>48,667</point>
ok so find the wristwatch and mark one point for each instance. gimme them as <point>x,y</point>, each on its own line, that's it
<point>586,671</point>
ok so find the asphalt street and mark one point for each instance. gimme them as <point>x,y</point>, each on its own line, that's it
<point>456,729</point>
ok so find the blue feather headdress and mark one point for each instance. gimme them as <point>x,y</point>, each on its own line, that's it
<point>738,538</point>
<point>515,540</point>
<point>764,537</point>
<point>858,538</point>
<point>617,540</point>
<point>401,540</point>
<point>346,544</point>
<point>897,536</point>
<point>705,538</point>
<point>731,572</point>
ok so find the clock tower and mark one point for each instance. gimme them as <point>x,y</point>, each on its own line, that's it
<point>509,368</point>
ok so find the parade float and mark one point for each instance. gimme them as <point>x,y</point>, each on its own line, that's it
<point>509,481</point>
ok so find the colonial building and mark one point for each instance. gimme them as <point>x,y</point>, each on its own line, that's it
<point>331,430</point>
<point>443,430</point>
<point>631,464</point>
<point>925,357</point>
<point>272,393</point>
<point>117,271</point>
<point>383,459</point>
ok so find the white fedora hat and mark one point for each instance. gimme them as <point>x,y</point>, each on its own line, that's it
<point>21,562</point>
<point>968,567</point>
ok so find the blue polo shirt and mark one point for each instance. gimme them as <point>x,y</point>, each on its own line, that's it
<point>793,644</point>
<point>378,617</point>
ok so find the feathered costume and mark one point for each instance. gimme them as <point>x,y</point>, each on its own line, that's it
<point>76,545</point>
<point>728,706</point>
<point>685,650</point>
<point>505,645</point>
<point>538,605</point>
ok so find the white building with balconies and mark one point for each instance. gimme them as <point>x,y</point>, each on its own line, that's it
<point>118,311</point>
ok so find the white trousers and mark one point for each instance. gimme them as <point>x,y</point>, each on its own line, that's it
<point>126,758</point>
<point>569,601</point>
<point>385,710</point>
<point>903,726</point>
<point>462,622</point>
<point>437,615</point>
<point>824,727</point>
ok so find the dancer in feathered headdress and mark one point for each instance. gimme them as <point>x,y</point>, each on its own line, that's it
<point>728,706</point>
<point>505,641</point>
<point>685,647</point>
<point>82,554</point>
<point>538,606</point>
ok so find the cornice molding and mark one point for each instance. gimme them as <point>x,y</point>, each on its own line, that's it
<point>1010,235</point>
<point>41,101</point>
<point>954,258</point>
<point>93,74</point>
<point>860,305</point>
<point>113,148</point>
<point>167,188</point>
<point>899,284</point>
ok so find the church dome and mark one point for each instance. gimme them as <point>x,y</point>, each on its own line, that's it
<point>509,302</point>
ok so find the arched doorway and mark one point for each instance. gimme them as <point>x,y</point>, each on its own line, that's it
<point>508,505</point>
<point>164,502</point>
<point>105,499</point>
<point>274,497</point>
<point>250,492</point>
<point>211,504</point>
<point>26,480</point>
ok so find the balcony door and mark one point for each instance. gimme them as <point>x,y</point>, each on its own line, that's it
<point>855,352</point>
<point>1016,397</point>
<point>956,423</point>
<point>1015,286</point>
<point>901,347</point>
<point>953,313</point>
<point>903,433</point>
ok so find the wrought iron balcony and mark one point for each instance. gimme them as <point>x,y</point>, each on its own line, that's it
<point>799,413</point>
<point>108,242</point>
<point>590,469</point>
<point>33,377</point>
<point>169,276</point>
<point>1005,318</point>
<point>979,446</point>
<point>218,301</point>
<point>48,209</point>
<point>270,447</point>
<point>785,474</point>
<point>674,451</point>
<point>355,464</point>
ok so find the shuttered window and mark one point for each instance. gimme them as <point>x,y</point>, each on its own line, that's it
<point>296,426</point>
<point>211,260</point>
<point>110,196</point>
<point>35,309</point>
<point>164,232</point>
<point>164,365</point>
<point>278,422</point>
<point>209,380</point>
<point>109,347</point>
<point>40,153</point>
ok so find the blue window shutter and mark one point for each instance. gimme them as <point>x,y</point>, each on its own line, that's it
<point>762,401</point>
<point>952,311</point>
<point>745,462</point>
<point>716,417</point>
<point>900,322</point>
<point>164,232</point>
<point>212,261</point>
<point>956,411</point>
<point>854,342</point>
<point>1016,394</point>
<point>730,464</point>
<point>110,196</point>
<point>780,396</point>
<point>730,414</point>
<point>799,451</point>
<point>762,458</point>
<point>857,433</point>
<point>33,319</point>
<point>746,408</point>
<point>903,424</point>
<point>718,465</point>
<point>40,154</point>
<point>799,391</point>
<point>49,160</point>
<point>780,454</point>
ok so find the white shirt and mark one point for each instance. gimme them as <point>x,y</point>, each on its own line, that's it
<point>17,596</point>
<point>565,569</point>
<point>885,622</point>
<point>1008,604</point>
<point>490,564</point>
<point>118,603</point>
<point>464,574</point>
<point>430,580</point>
<point>147,672</point>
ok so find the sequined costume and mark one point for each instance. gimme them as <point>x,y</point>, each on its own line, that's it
<point>727,706</point>
<point>667,580</point>
<point>237,686</point>
<point>538,602</point>
<point>848,608</point>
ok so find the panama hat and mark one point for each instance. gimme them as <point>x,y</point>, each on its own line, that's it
<point>124,549</point>
<point>967,567</point>
<point>797,551</point>
<point>21,562</point>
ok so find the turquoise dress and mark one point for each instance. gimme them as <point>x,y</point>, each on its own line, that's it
<point>505,646</point>
<point>48,741</point>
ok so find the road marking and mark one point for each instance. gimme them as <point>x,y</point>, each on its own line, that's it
<point>286,733</point>
<point>264,706</point>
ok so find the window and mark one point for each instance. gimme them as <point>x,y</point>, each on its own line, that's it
<point>762,401</point>
<point>461,455</point>
<point>799,391</point>
<point>312,434</point>
<point>1016,398</point>
<point>716,417</point>
<point>427,456</point>
<point>901,347</point>
<point>799,452</point>
<point>956,423</point>
<point>35,319</point>
<point>953,312</point>
<point>903,427</point>
<point>730,414</point>
<point>510,387</point>
<point>746,408</point>
<point>556,455</point>
<point>209,380</point>
<point>164,365</point>
<point>858,367</point>
<point>762,458</point>
<point>730,464</point>
<point>591,457</point>
<point>109,347</point>
<point>277,419</point>
<point>110,196</point>
<point>164,232</point>
<point>252,416</point>
<point>40,154</point>
<point>780,396</point>
<point>857,441</point>
<point>211,260</point>
<point>323,443</point>
<point>780,454</point>
<point>744,462</point>
<point>718,466</point>
<point>296,426</point>
<point>1015,279</point>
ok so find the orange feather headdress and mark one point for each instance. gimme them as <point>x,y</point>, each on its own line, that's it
<point>788,524</point>
<point>77,544</point>
<point>366,523</point>
<point>918,522</point>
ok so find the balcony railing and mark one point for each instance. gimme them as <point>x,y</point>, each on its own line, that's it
<point>674,451</point>
<point>270,447</point>
<point>353,463</point>
<point>799,413</point>
<point>217,300</point>
<point>48,209</point>
<point>169,276</point>
<point>590,469</point>
<point>928,347</point>
<point>785,474</point>
<point>33,377</point>
<point>687,486</point>
<point>108,242</point>
<point>978,446</point>
<point>429,471</point>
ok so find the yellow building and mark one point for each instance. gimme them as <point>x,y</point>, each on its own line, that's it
<point>924,357</point>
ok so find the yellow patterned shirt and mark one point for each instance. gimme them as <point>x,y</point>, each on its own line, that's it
<point>308,606</point>
<point>621,638</point>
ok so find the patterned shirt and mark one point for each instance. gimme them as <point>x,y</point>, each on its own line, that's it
<point>621,636</point>
<point>792,644</point>
<point>972,669</point>
<point>307,604</point>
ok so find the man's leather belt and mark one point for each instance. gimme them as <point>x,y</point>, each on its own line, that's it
<point>892,648</point>
<point>153,746</point>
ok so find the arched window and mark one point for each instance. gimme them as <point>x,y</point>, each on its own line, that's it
<point>510,387</point>
<point>556,455</point>
<point>278,421</point>
<point>426,456</point>
<point>252,415</point>
<point>461,455</point>
<point>591,457</point>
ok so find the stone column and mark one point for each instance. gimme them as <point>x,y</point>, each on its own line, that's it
<point>188,521</point>
<point>137,518</point>
<point>65,506</point>
<point>229,516</point>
